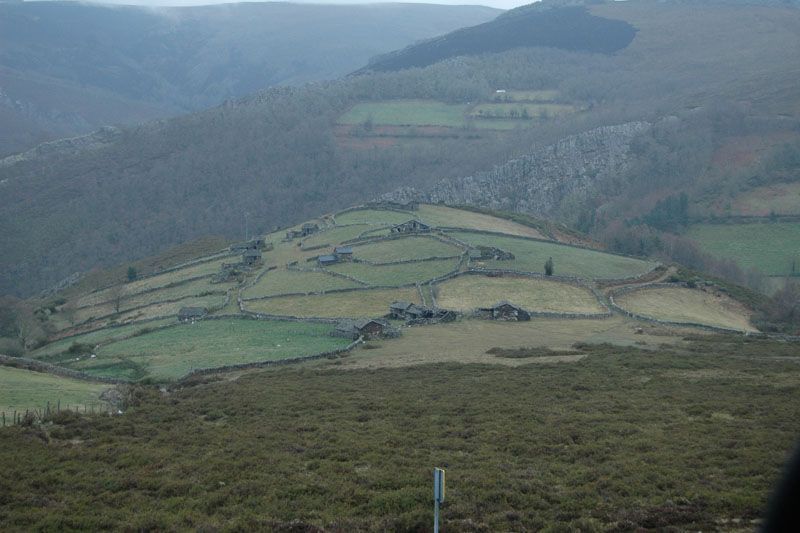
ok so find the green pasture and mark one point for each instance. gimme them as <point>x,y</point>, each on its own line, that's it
<point>163,309</point>
<point>395,275</point>
<point>547,95</point>
<point>197,287</point>
<point>335,235</point>
<point>406,113</point>
<point>24,389</point>
<point>352,304</point>
<point>282,281</point>
<point>531,111</point>
<point>768,247</point>
<point>202,269</point>
<point>373,217</point>
<point>94,337</point>
<point>530,256</point>
<point>415,247</point>
<point>173,352</point>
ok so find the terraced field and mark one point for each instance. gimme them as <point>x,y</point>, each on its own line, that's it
<point>405,249</point>
<point>24,389</point>
<point>521,110</point>
<point>201,269</point>
<point>771,248</point>
<point>163,309</point>
<point>407,113</point>
<point>335,235</point>
<point>530,256</point>
<point>173,352</point>
<point>94,337</point>
<point>466,293</point>
<point>353,304</point>
<point>396,275</point>
<point>282,281</point>
<point>441,216</point>
<point>685,305</point>
<point>372,216</point>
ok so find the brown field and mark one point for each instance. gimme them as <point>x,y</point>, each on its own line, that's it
<point>467,341</point>
<point>282,281</point>
<point>439,215</point>
<point>687,305</point>
<point>470,292</point>
<point>366,303</point>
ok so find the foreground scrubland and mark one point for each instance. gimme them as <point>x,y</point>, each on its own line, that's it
<point>687,437</point>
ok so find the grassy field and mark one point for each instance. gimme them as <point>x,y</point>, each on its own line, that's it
<point>335,235</point>
<point>781,199</point>
<point>674,439</point>
<point>165,309</point>
<point>439,215</point>
<point>468,341</point>
<point>568,261</point>
<point>283,281</point>
<point>394,275</point>
<point>369,303</point>
<point>24,389</point>
<point>768,247</point>
<point>202,269</point>
<point>373,217</point>
<point>173,352</point>
<point>470,292</point>
<point>94,337</point>
<point>519,110</point>
<point>405,248</point>
<point>687,305</point>
<point>407,113</point>
<point>546,95</point>
<point>193,288</point>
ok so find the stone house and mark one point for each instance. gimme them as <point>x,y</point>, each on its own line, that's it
<point>504,310</point>
<point>327,260</point>
<point>411,226</point>
<point>344,253</point>
<point>251,257</point>
<point>369,328</point>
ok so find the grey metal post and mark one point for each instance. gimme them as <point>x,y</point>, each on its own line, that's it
<point>435,516</point>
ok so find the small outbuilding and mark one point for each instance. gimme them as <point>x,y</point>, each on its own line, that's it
<point>411,226</point>
<point>505,310</point>
<point>368,328</point>
<point>327,260</point>
<point>398,309</point>
<point>308,228</point>
<point>251,257</point>
<point>344,253</point>
<point>187,314</point>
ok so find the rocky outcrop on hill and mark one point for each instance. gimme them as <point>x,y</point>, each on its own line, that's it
<point>537,183</point>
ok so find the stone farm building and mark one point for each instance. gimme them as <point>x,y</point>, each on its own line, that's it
<point>327,260</point>
<point>412,226</point>
<point>369,328</point>
<point>191,313</point>
<point>251,257</point>
<point>344,253</point>
<point>504,311</point>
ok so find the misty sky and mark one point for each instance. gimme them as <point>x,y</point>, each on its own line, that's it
<point>502,4</point>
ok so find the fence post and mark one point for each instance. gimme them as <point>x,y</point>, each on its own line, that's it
<point>4,419</point>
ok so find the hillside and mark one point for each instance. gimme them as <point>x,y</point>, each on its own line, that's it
<point>458,262</point>
<point>436,336</point>
<point>543,24</point>
<point>68,68</point>
<point>284,155</point>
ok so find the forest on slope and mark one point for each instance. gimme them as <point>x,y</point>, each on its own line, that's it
<point>279,157</point>
<point>67,68</point>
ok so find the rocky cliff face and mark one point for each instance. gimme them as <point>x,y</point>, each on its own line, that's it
<point>537,183</point>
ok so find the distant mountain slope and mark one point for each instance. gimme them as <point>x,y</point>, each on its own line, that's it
<point>277,158</point>
<point>67,67</point>
<point>540,24</point>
